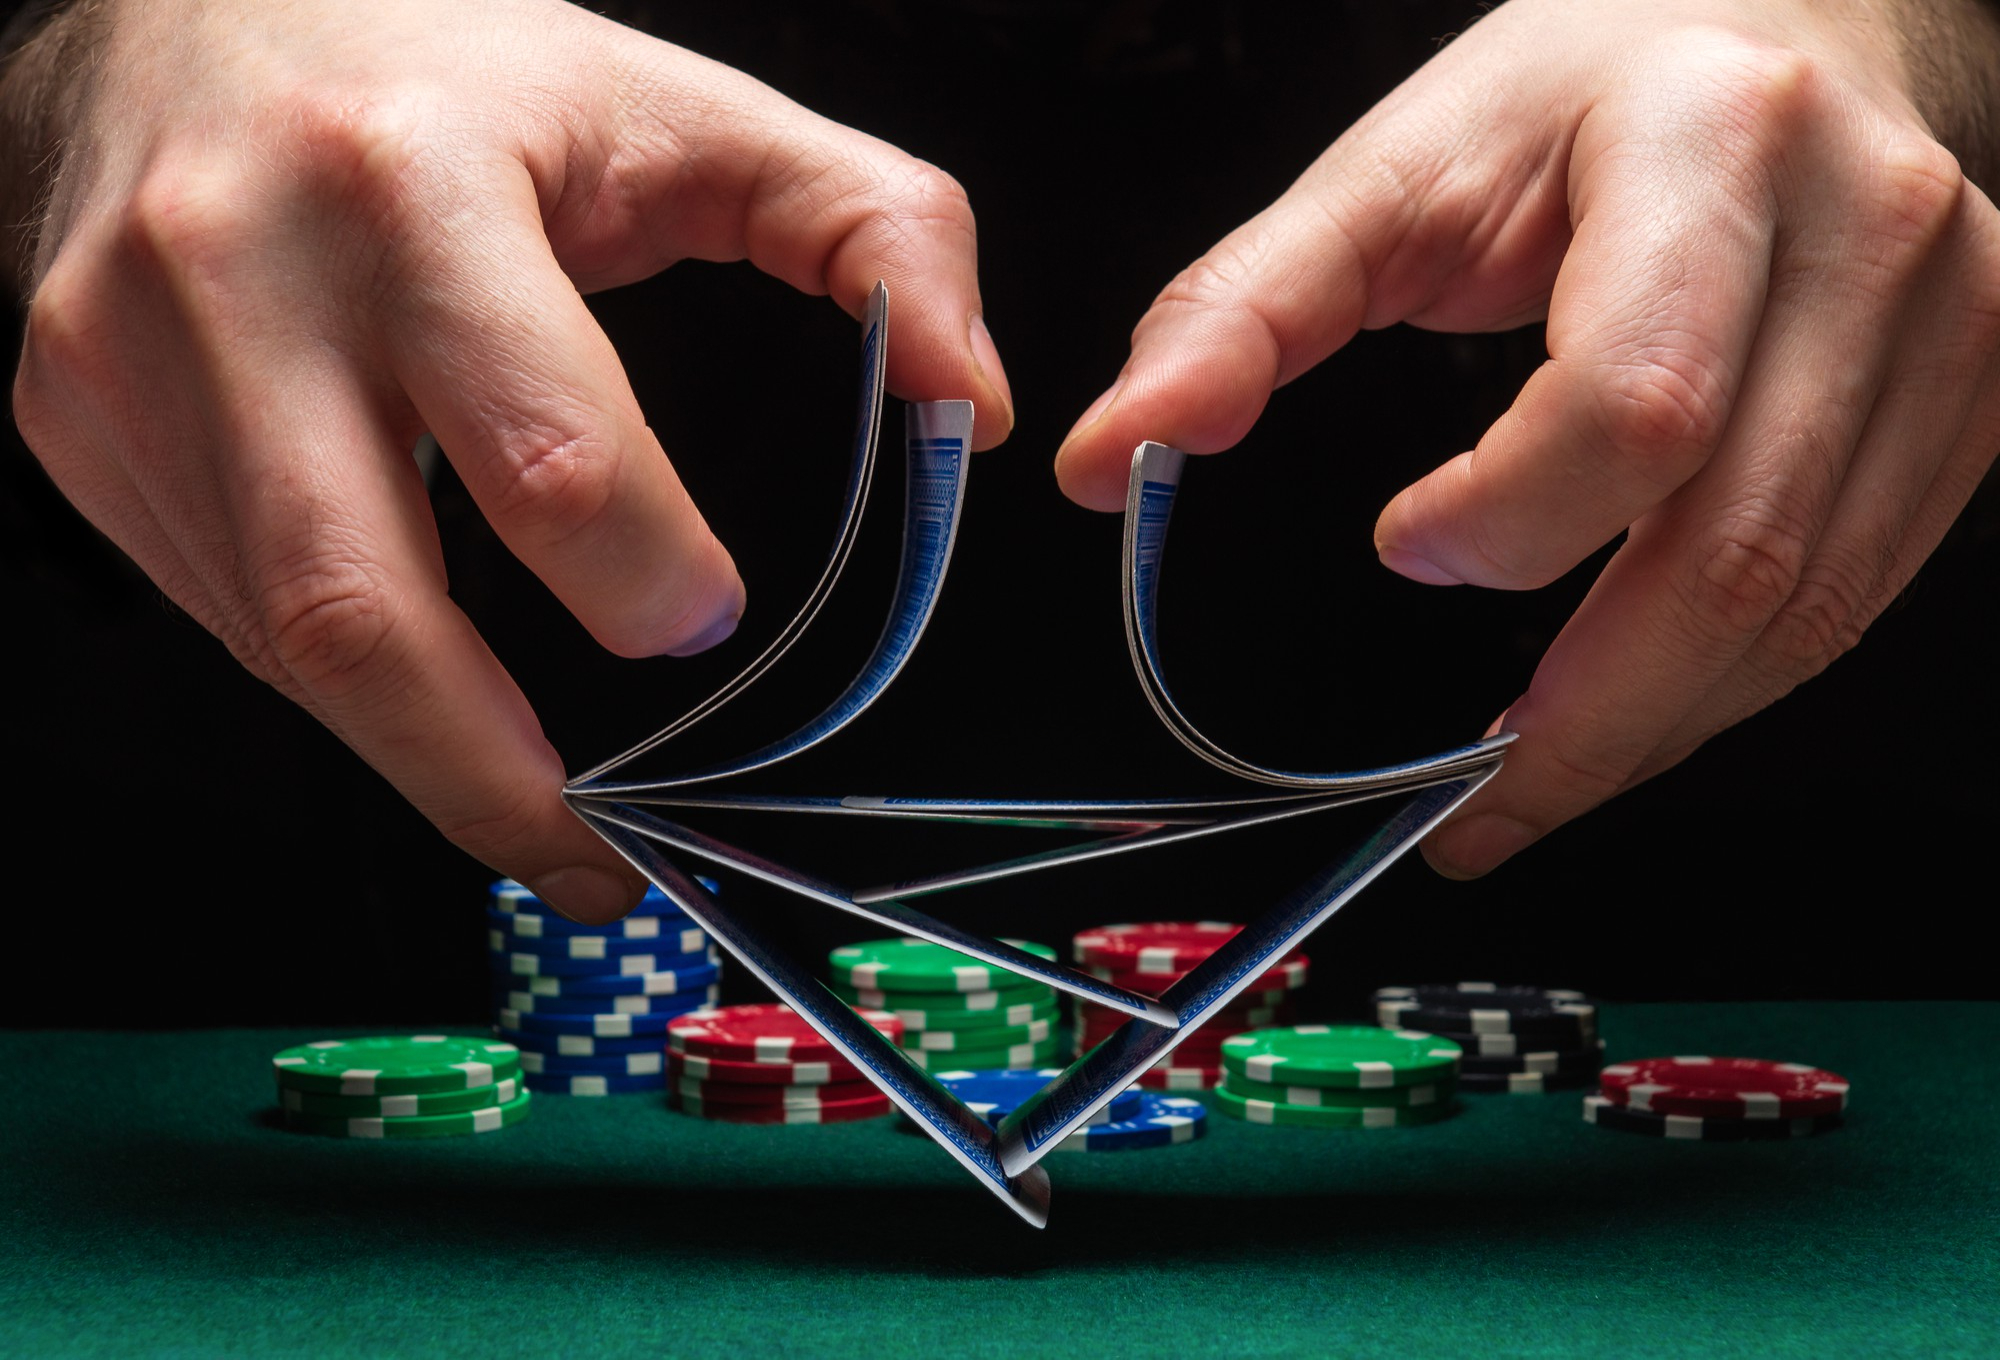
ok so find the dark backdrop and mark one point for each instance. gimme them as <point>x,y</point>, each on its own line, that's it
<point>188,849</point>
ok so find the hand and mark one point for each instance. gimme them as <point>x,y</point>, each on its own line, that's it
<point>285,240</point>
<point>1773,302</point>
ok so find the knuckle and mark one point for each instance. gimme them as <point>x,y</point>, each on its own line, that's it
<point>374,154</point>
<point>1757,93</point>
<point>62,346</point>
<point>550,482</point>
<point>1834,603</point>
<point>1913,188</point>
<point>1663,406</point>
<point>1579,774</point>
<point>187,222</point>
<point>325,623</point>
<point>1752,564</point>
<point>515,820</point>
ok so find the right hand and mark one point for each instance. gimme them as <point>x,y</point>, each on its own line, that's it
<point>285,240</point>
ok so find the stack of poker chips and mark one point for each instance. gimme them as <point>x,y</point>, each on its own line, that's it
<point>588,1006</point>
<point>1338,1077</point>
<point>401,1086</point>
<point>1131,1120</point>
<point>1148,958</point>
<point>765,1065</point>
<point>955,1012</point>
<point>1523,1040</point>
<point>1718,1100</point>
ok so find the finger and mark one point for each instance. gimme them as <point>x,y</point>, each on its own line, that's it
<point>342,592</point>
<point>717,166</point>
<point>1650,324</point>
<point>1370,234</point>
<point>1928,443</point>
<point>526,396</point>
<point>1697,581</point>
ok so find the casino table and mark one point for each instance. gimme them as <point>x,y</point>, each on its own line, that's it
<point>154,1207</point>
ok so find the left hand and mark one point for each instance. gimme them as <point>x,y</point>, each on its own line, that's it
<point>1773,306</point>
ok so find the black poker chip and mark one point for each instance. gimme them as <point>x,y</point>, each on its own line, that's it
<point>1565,1019</point>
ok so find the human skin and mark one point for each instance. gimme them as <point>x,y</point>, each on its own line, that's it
<point>275,241</point>
<point>1771,284</point>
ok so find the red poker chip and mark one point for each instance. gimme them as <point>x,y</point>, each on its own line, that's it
<point>1725,1088</point>
<point>1152,946</point>
<point>1288,975</point>
<point>830,1112</point>
<point>791,1097</point>
<point>762,1073</point>
<point>768,1033</point>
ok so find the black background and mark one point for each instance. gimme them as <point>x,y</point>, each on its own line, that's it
<point>186,849</point>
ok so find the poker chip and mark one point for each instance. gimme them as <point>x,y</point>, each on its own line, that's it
<point>585,1009</point>
<point>1152,946</point>
<point>689,943</point>
<point>930,1022</point>
<point>652,1064</point>
<point>1328,1116</point>
<point>762,1033</point>
<point>512,899</point>
<point>486,1119</point>
<point>414,1064</point>
<point>1339,1055</point>
<point>1608,1115</point>
<point>1740,1088</point>
<point>935,1004</point>
<point>614,1026</point>
<point>579,1045</point>
<point>1162,1121</point>
<point>762,1073</point>
<point>1343,1097</point>
<point>907,965</point>
<point>695,978</point>
<point>790,1097</point>
<point>399,1107</point>
<point>996,1036</point>
<point>1524,1083</point>
<point>993,1094</point>
<point>594,1084</point>
<point>1020,1055</point>
<point>1487,1008</point>
<point>1586,1059</point>
<point>1288,975</point>
<point>534,926</point>
<point>831,1112</point>
<point>1179,1078</point>
<point>517,962</point>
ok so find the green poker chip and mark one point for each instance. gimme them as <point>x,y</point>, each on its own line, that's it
<point>917,1021</point>
<point>941,1003</point>
<point>1329,1116</point>
<point>996,1036</point>
<point>398,1107</point>
<point>1344,1097</point>
<point>484,1120</point>
<point>1340,1055</point>
<point>919,966</point>
<point>985,1059</point>
<point>399,1065</point>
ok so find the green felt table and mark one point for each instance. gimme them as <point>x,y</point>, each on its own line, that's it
<point>152,1207</point>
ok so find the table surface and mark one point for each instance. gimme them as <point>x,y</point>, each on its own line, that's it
<point>152,1207</point>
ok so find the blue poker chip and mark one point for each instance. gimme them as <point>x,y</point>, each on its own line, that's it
<point>681,981</point>
<point>528,964</point>
<point>587,1084</point>
<point>529,926</point>
<point>1163,1121</point>
<point>652,1063</point>
<point>512,898</point>
<point>583,1010</point>
<point>995,1093</point>
<point>578,1045</point>
<point>586,1026</point>
<point>684,942</point>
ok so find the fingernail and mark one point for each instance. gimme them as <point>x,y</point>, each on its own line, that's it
<point>718,631</point>
<point>1478,845</point>
<point>986,354</point>
<point>1092,413</point>
<point>1416,568</point>
<point>586,894</point>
